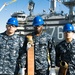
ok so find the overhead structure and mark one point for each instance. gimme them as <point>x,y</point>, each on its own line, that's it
<point>11,2</point>
<point>70,4</point>
<point>2,6</point>
<point>5,4</point>
<point>53,6</point>
<point>31,7</point>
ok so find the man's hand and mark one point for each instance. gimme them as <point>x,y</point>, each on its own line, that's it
<point>22,71</point>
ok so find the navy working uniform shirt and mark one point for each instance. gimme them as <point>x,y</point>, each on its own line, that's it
<point>42,44</point>
<point>66,52</point>
<point>10,51</point>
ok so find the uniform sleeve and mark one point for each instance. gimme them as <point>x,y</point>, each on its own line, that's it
<point>52,53</point>
<point>22,53</point>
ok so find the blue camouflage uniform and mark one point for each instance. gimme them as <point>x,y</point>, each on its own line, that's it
<point>42,44</point>
<point>66,52</point>
<point>11,54</point>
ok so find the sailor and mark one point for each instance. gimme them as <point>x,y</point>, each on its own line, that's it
<point>42,44</point>
<point>11,52</point>
<point>65,50</point>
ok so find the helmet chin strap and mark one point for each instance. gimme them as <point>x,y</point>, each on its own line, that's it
<point>68,40</point>
<point>9,34</point>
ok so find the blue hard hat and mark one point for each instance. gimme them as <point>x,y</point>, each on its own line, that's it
<point>68,27</point>
<point>13,21</point>
<point>38,21</point>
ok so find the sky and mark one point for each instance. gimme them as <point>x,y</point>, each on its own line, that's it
<point>22,5</point>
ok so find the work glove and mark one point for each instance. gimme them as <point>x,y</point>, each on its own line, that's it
<point>22,71</point>
<point>52,71</point>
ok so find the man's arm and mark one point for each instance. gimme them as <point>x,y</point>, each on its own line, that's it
<point>52,53</point>
<point>22,57</point>
<point>52,57</point>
